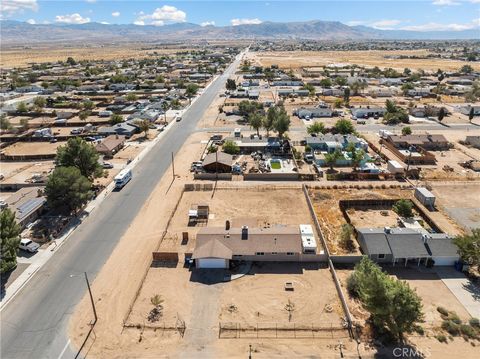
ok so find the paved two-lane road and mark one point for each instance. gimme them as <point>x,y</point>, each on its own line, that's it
<point>34,323</point>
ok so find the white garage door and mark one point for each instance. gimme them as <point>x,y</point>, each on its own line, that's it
<point>211,263</point>
<point>445,261</point>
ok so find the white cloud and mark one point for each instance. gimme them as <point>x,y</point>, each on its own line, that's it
<point>31,21</point>
<point>208,23</point>
<point>385,24</point>
<point>10,7</point>
<point>236,22</point>
<point>433,26</point>
<point>356,22</point>
<point>116,14</point>
<point>162,15</point>
<point>445,2</point>
<point>72,19</point>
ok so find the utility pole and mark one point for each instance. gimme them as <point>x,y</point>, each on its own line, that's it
<point>216,165</point>
<point>91,299</point>
<point>173,167</point>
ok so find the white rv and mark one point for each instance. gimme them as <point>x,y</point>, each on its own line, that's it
<point>122,178</point>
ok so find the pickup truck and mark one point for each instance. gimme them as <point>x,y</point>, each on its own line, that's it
<point>28,245</point>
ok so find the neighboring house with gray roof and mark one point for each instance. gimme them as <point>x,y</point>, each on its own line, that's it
<point>27,204</point>
<point>404,245</point>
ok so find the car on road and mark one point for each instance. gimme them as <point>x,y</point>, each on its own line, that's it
<point>178,119</point>
<point>28,245</point>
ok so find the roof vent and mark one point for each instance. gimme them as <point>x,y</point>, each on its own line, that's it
<point>387,230</point>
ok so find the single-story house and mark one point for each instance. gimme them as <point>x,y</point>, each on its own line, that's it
<point>427,142</point>
<point>401,245</point>
<point>466,110</point>
<point>361,112</point>
<point>473,141</point>
<point>27,204</point>
<point>264,144</point>
<point>110,145</point>
<point>329,143</point>
<point>216,246</point>
<point>313,112</point>
<point>218,162</point>
<point>123,128</point>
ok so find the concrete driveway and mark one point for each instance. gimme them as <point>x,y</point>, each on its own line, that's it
<point>467,292</point>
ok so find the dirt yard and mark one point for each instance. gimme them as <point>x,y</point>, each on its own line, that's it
<point>331,218</point>
<point>296,59</point>
<point>260,296</point>
<point>32,148</point>
<point>372,218</point>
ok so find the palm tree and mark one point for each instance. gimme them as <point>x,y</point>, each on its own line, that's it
<point>165,107</point>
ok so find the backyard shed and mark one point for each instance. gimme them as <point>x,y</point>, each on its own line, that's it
<point>220,162</point>
<point>425,197</point>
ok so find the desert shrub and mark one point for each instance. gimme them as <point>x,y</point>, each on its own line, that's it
<point>468,331</point>
<point>451,327</point>
<point>442,311</point>
<point>474,322</point>
<point>454,318</point>
<point>441,338</point>
<point>419,330</point>
<point>352,285</point>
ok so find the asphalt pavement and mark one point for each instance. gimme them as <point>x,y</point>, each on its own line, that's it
<point>34,323</point>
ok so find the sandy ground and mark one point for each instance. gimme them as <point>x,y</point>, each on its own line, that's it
<point>295,59</point>
<point>32,148</point>
<point>260,297</point>
<point>372,218</point>
<point>19,172</point>
<point>21,57</point>
<point>331,218</point>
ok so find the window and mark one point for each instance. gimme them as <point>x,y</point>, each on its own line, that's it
<point>381,256</point>
<point>274,253</point>
<point>259,253</point>
<point>237,255</point>
<point>290,254</point>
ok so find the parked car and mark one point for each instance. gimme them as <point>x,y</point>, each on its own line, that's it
<point>307,118</point>
<point>107,165</point>
<point>76,131</point>
<point>28,245</point>
<point>308,157</point>
<point>361,121</point>
<point>178,119</point>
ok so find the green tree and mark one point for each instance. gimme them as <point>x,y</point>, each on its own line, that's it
<point>326,82</point>
<point>191,91</point>
<point>357,87</point>
<point>131,97</point>
<point>269,120</point>
<point>144,126</point>
<point>246,108</point>
<point>469,247</point>
<point>165,107</point>
<point>80,154</point>
<point>22,107</point>
<point>346,96</point>
<point>394,114</point>
<point>231,85</point>
<point>331,158</point>
<point>67,190</point>
<point>115,118</point>
<point>281,124</point>
<point>71,61</point>
<point>344,127</point>
<point>406,131</point>
<point>5,123</point>
<point>356,155</point>
<point>10,239</point>
<point>346,234</point>
<point>466,69</point>
<point>39,103</point>
<point>310,88</point>
<point>316,127</point>
<point>88,105</point>
<point>405,87</point>
<point>441,114</point>
<point>340,81</point>
<point>392,304</point>
<point>83,115</point>
<point>404,208</point>
<point>256,121</point>
<point>231,148</point>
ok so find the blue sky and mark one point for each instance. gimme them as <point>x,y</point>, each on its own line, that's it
<point>421,15</point>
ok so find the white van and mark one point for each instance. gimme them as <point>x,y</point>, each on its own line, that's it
<point>122,178</point>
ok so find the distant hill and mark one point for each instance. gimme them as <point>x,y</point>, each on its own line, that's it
<point>22,33</point>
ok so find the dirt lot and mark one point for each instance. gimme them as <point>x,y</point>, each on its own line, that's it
<point>234,203</point>
<point>20,172</point>
<point>331,218</point>
<point>260,296</point>
<point>32,148</point>
<point>295,59</point>
<point>21,57</point>
<point>372,218</point>
<point>460,201</point>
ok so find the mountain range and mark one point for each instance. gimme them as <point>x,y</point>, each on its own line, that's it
<point>22,33</point>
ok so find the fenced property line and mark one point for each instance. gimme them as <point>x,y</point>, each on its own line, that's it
<point>179,327</point>
<point>237,330</point>
<point>148,264</point>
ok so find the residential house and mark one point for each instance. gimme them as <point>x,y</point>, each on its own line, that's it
<point>110,145</point>
<point>362,112</point>
<point>124,129</point>
<point>215,247</point>
<point>218,162</point>
<point>27,204</point>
